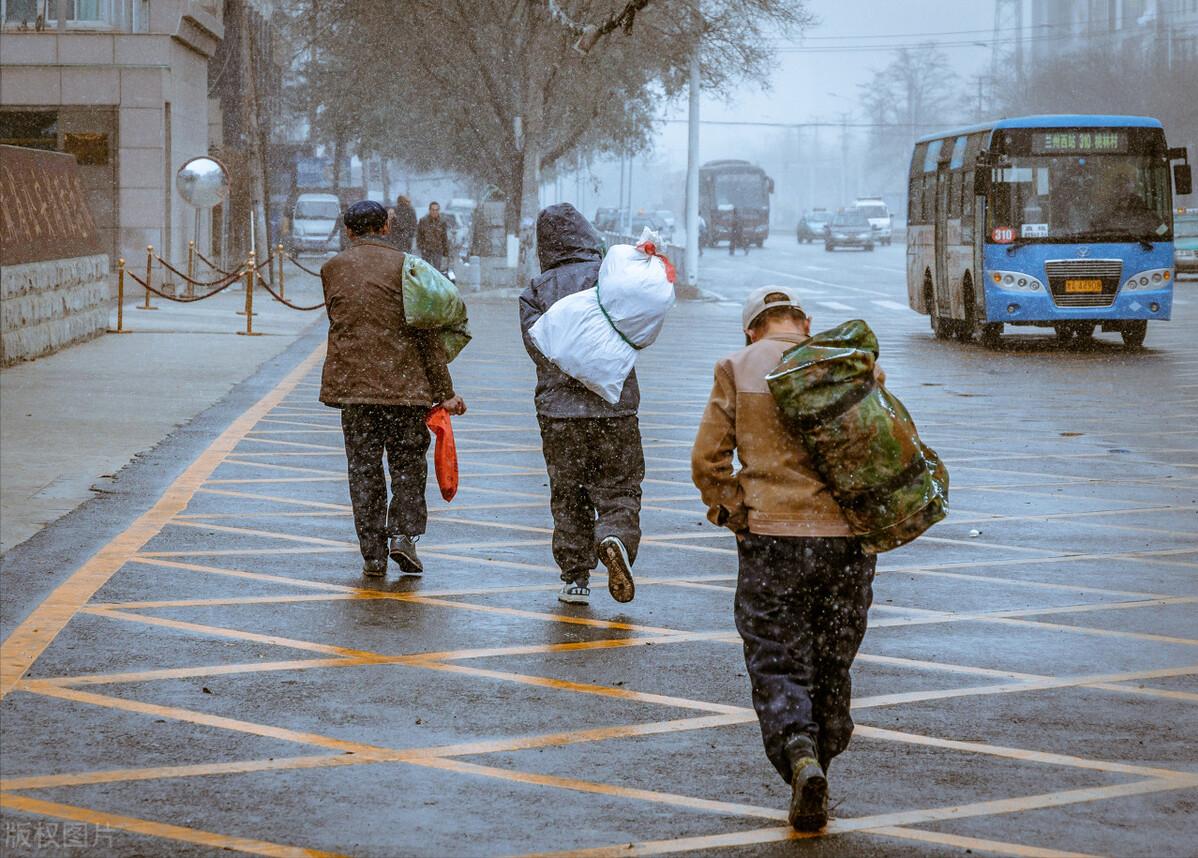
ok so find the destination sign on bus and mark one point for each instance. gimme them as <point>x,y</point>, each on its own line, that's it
<point>1097,142</point>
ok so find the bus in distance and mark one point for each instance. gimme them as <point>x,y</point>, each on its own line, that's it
<point>1061,221</point>
<point>731,184</point>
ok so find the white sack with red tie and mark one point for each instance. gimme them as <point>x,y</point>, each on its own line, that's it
<point>594,335</point>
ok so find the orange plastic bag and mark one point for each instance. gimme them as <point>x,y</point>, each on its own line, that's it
<point>445,457</point>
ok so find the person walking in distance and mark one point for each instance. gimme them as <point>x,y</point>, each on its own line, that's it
<point>385,377</point>
<point>805,586</point>
<point>736,236</point>
<point>403,224</point>
<point>592,448</point>
<point>432,238</point>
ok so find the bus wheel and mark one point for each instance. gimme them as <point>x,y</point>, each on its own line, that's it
<point>991,332</point>
<point>1133,334</point>
<point>968,326</point>
<point>941,328</point>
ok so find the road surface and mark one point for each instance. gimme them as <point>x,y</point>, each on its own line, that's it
<point>195,663</point>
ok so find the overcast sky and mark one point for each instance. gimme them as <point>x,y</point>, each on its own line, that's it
<point>822,63</point>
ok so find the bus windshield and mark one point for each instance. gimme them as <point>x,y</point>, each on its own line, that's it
<point>1080,198</point>
<point>742,190</point>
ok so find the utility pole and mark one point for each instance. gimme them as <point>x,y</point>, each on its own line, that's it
<point>844,158</point>
<point>692,181</point>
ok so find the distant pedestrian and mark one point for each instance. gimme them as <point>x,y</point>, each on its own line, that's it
<point>805,586</point>
<point>736,237</point>
<point>592,449</point>
<point>385,377</point>
<point>403,224</point>
<point>432,238</point>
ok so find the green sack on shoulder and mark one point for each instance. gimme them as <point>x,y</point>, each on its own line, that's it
<point>890,485</point>
<point>431,302</point>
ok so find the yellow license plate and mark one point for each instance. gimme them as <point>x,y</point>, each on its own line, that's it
<point>1083,285</point>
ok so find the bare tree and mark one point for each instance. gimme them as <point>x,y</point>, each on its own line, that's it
<point>916,90</point>
<point>495,90</point>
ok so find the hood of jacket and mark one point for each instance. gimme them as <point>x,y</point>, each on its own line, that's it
<point>564,235</point>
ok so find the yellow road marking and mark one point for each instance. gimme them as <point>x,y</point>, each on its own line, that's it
<point>157,829</point>
<point>975,844</point>
<point>29,639</point>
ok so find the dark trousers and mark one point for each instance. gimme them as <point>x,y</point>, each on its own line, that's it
<point>596,466</point>
<point>801,609</point>
<point>400,432</point>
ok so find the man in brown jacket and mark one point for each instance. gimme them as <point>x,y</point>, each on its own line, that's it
<point>805,586</point>
<point>432,238</point>
<point>385,377</point>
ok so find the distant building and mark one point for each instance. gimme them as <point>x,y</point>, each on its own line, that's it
<point>1167,27</point>
<point>123,86</point>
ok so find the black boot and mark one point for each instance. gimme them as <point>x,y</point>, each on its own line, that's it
<point>808,784</point>
<point>403,552</point>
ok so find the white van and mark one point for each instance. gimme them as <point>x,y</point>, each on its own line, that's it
<point>316,223</point>
<point>879,217</point>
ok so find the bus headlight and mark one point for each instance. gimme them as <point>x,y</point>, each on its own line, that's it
<point>1015,281</point>
<point>1158,278</point>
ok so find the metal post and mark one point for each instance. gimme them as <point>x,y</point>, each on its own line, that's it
<point>692,182</point>
<point>120,299</point>
<point>279,253</point>
<point>249,287</point>
<point>149,276</point>
<point>250,274</point>
<point>191,267</point>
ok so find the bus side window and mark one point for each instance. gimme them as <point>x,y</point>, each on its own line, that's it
<point>915,201</point>
<point>915,206</point>
<point>967,203</point>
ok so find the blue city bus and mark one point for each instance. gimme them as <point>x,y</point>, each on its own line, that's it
<point>1052,221</point>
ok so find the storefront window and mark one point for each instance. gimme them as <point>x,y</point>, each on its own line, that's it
<point>35,129</point>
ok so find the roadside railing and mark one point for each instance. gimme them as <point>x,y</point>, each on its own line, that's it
<point>251,270</point>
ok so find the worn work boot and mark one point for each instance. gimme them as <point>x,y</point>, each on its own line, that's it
<point>374,568</point>
<point>614,556</point>
<point>808,785</point>
<point>403,552</point>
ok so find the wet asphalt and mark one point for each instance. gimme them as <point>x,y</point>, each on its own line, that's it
<point>1028,680</point>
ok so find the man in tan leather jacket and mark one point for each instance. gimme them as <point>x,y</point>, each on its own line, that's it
<point>804,586</point>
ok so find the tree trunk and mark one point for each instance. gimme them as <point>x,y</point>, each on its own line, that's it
<point>531,143</point>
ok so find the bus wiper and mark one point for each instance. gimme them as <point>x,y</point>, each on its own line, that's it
<point>1016,244</point>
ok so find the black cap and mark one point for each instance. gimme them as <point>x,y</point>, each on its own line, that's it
<point>365,217</point>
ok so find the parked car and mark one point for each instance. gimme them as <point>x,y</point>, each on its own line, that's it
<point>1185,241</point>
<point>316,224</point>
<point>879,217</point>
<point>460,217</point>
<point>669,224</point>
<point>849,228</point>
<point>606,219</point>
<point>643,219</point>
<point>811,225</point>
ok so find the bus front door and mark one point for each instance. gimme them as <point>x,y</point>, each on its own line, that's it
<point>940,274</point>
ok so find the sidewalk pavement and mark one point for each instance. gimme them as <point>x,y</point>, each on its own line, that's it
<point>70,421</point>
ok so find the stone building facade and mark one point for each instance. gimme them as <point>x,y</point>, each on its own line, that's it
<point>123,86</point>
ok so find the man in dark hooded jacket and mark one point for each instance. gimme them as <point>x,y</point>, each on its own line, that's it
<point>592,448</point>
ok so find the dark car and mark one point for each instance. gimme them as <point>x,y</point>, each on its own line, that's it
<point>811,225</point>
<point>849,228</point>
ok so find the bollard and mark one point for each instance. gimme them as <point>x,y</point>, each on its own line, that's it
<point>191,268</point>
<point>120,299</point>
<point>149,275</point>
<point>249,299</point>
<point>279,253</point>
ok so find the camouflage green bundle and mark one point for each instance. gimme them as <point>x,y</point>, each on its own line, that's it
<point>431,302</point>
<point>862,440</point>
